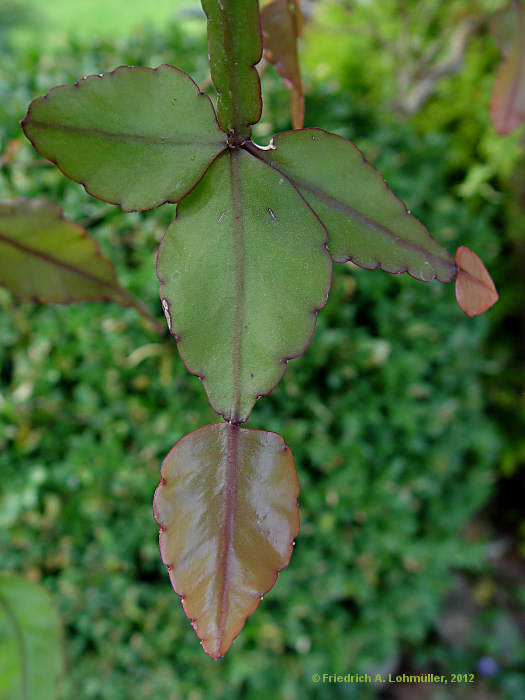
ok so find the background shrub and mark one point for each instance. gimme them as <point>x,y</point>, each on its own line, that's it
<point>392,414</point>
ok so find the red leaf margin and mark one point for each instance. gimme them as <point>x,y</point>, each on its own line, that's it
<point>234,428</point>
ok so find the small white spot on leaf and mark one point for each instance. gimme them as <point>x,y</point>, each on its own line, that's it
<point>166,309</point>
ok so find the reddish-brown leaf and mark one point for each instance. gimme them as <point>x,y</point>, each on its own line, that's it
<point>475,290</point>
<point>282,22</point>
<point>227,507</point>
<point>508,96</point>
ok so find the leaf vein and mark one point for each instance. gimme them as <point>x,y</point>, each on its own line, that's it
<point>112,136</point>
<point>60,263</point>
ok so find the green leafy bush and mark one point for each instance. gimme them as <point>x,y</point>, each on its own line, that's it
<point>385,412</point>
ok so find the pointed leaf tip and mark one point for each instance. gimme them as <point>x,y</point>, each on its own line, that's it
<point>475,290</point>
<point>227,507</point>
<point>366,222</point>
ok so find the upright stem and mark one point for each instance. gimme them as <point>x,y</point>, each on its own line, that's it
<point>235,47</point>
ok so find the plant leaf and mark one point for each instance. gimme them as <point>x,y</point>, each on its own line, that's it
<point>234,46</point>
<point>503,27</point>
<point>137,136</point>
<point>30,640</point>
<point>366,222</point>
<point>282,22</point>
<point>45,257</point>
<point>227,507</point>
<point>243,271</point>
<point>508,96</point>
<point>475,290</point>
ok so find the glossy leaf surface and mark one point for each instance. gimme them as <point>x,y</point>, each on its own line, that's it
<point>508,97</point>
<point>227,507</point>
<point>30,641</point>
<point>282,23</point>
<point>235,47</point>
<point>475,290</point>
<point>366,222</point>
<point>243,270</point>
<point>45,257</point>
<point>137,137</point>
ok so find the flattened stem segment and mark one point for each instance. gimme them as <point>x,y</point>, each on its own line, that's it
<point>235,47</point>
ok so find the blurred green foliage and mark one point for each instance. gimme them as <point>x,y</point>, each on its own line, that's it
<point>30,640</point>
<point>392,413</point>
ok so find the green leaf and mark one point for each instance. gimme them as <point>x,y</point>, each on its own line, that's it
<point>45,257</point>
<point>234,45</point>
<point>282,22</point>
<point>137,137</point>
<point>507,105</point>
<point>366,222</point>
<point>227,507</point>
<point>30,641</point>
<point>243,271</point>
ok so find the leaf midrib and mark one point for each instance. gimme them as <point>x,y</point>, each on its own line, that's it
<point>231,73</point>
<point>112,136</point>
<point>350,211</point>
<point>60,263</point>
<point>238,289</point>
<point>230,497</point>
